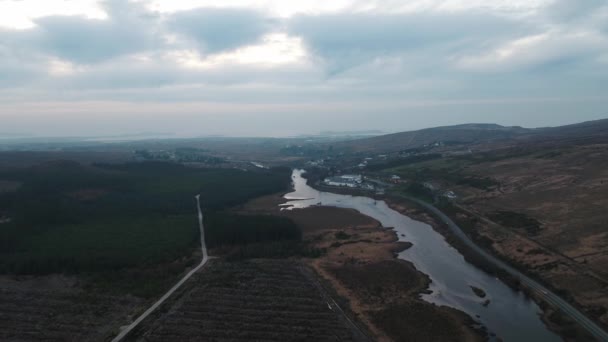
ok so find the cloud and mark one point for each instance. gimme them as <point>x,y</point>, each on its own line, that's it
<point>348,39</point>
<point>221,29</point>
<point>129,29</point>
<point>565,10</point>
<point>366,56</point>
<point>557,50</point>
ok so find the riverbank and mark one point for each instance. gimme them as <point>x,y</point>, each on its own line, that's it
<point>360,265</point>
<point>553,318</point>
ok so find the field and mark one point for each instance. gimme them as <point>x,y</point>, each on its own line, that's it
<point>540,205</point>
<point>55,308</point>
<point>559,198</point>
<point>261,300</point>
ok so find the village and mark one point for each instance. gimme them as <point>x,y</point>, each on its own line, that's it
<point>380,185</point>
<point>372,172</point>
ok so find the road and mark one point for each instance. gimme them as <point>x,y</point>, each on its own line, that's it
<point>541,291</point>
<point>154,306</point>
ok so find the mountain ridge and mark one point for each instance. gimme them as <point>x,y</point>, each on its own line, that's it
<point>471,133</point>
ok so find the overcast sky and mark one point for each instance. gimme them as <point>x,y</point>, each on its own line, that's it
<point>279,68</point>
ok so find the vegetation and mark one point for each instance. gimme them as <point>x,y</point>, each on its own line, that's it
<point>67,217</point>
<point>417,321</point>
<point>183,154</point>
<point>252,300</point>
<point>404,161</point>
<point>478,292</point>
<point>39,311</point>
<point>341,235</point>
<point>482,183</point>
<point>421,168</point>
<point>419,191</point>
<point>255,236</point>
<point>305,150</point>
<point>102,245</point>
<point>469,226</point>
<point>567,327</point>
<point>233,229</point>
<point>516,220</point>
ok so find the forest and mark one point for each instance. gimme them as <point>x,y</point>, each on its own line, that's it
<point>69,217</point>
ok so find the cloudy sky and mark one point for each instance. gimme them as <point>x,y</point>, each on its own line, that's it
<point>278,68</point>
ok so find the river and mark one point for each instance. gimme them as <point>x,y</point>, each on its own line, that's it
<point>510,315</point>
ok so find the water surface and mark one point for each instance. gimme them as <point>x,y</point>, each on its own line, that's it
<point>510,315</point>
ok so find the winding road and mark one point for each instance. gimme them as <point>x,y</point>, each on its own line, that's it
<point>127,330</point>
<point>541,291</point>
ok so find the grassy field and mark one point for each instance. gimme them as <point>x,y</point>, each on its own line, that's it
<point>540,206</point>
<point>448,169</point>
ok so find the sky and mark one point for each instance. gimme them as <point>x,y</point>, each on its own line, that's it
<point>284,68</point>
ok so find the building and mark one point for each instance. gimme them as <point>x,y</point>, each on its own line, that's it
<point>351,181</point>
<point>356,178</point>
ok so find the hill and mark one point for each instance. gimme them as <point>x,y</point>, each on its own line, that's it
<point>537,199</point>
<point>472,134</point>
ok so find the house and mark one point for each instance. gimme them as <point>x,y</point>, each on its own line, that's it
<point>356,178</point>
<point>351,181</point>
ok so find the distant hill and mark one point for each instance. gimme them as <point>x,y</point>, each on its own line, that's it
<point>459,134</point>
<point>584,129</point>
<point>470,134</point>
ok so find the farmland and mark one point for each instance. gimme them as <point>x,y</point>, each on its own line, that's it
<point>261,299</point>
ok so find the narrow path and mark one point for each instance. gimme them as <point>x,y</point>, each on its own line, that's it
<point>154,306</point>
<point>541,291</point>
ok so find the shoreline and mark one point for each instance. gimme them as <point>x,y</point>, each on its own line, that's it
<point>551,316</point>
<point>361,267</point>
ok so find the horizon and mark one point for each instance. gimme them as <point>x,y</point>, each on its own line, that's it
<point>270,68</point>
<point>135,136</point>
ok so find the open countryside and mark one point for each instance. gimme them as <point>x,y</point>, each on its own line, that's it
<point>294,171</point>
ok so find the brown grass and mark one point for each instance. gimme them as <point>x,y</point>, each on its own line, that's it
<point>360,265</point>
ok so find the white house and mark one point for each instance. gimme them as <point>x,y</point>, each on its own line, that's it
<point>351,181</point>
